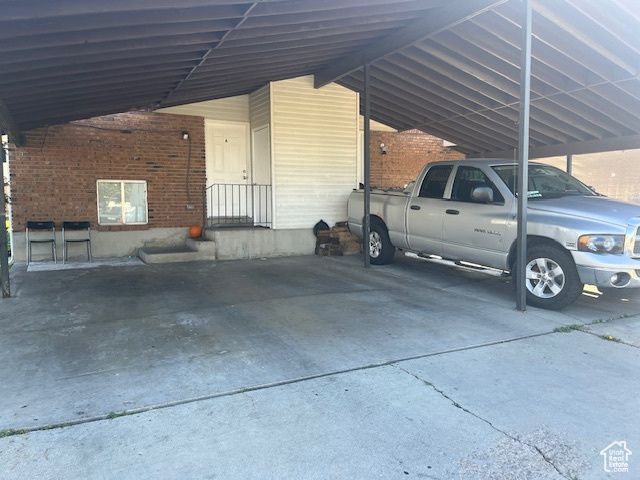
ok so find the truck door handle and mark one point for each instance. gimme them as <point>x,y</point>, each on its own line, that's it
<point>453,212</point>
<point>415,207</point>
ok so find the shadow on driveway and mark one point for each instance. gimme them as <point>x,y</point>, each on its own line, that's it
<point>80,344</point>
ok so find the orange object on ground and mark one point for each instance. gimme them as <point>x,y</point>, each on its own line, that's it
<point>195,231</point>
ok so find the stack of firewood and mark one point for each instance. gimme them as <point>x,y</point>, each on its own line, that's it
<point>337,241</point>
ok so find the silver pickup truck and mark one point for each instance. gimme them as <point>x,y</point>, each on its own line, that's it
<point>465,210</point>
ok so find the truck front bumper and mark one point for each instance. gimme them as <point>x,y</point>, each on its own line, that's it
<point>608,271</point>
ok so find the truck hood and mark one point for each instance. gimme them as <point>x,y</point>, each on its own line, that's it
<point>603,209</point>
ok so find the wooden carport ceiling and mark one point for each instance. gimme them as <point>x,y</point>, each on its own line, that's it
<point>449,68</point>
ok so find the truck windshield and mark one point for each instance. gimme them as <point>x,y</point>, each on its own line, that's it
<point>545,181</point>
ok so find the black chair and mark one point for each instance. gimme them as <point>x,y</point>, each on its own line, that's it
<point>76,226</point>
<point>41,228</point>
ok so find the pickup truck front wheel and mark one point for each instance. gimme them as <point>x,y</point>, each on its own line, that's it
<point>381,250</point>
<point>552,280</point>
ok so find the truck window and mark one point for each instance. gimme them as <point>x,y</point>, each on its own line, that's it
<point>545,181</point>
<point>468,178</point>
<point>435,181</point>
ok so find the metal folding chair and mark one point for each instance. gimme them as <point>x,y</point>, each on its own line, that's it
<point>76,226</point>
<point>41,227</point>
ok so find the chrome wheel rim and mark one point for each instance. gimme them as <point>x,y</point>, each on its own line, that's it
<point>545,278</point>
<point>375,245</point>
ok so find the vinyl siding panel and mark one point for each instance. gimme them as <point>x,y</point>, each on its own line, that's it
<point>375,126</point>
<point>259,107</point>
<point>232,109</point>
<point>315,135</point>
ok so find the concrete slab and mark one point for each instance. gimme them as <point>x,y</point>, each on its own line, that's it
<point>254,359</point>
<point>574,392</point>
<point>74,264</point>
<point>624,329</point>
<point>81,344</point>
<point>474,414</point>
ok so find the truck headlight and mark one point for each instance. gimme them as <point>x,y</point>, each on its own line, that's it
<point>601,243</point>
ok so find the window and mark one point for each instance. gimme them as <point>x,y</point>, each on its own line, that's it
<point>122,202</point>
<point>435,181</point>
<point>545,181</point>
<point>468,178</point>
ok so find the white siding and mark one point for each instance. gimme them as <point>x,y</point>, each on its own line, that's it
<point>259,107</point>
<point>375,126</point>
<point>315,135</point>
<point>232,109</point>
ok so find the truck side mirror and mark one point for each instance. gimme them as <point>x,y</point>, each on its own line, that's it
<point>482,194</point>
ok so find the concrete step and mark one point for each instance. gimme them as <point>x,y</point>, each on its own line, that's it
<point>193,250</point>
<point>202,245</point>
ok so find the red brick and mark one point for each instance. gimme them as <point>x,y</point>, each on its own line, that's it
<point>407,152</point>
<point>54,174</point>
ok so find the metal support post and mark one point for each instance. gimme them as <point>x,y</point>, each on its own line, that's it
<point>204,210</point>
<point>367,169</point>
<point>523,156</point>
<point>4,251</point>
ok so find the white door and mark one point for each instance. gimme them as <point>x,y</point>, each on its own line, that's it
<point>261,188</point>
<point>227,169</point>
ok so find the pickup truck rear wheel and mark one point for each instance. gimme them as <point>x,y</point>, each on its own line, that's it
<point>552,279</point>
<point>381,250</point>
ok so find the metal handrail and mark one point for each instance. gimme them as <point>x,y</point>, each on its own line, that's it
<point>233,204</point>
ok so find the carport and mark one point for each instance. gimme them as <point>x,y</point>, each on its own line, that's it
<point>275,367</point>
<point>451,69</point>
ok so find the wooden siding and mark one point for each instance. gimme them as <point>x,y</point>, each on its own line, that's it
<point>315,135</point>
<point>232,109</point>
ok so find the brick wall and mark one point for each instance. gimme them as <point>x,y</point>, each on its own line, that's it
<point>615,174</point>
<point>53,176</point>
<point>407,152</point>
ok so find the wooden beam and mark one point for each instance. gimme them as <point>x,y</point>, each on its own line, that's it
<point>433,23</point>
<point>8,124</point>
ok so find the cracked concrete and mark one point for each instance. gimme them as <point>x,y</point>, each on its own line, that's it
<point>520,441</point>
<point>309,368</point>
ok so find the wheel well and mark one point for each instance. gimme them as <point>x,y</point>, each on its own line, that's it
<point>531,240</point>
<point>376,219</point>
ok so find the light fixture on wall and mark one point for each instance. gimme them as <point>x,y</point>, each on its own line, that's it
<point>383,149</point>
<point>184,135</point>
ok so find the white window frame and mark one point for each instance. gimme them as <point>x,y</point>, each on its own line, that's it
<point>123,215</point>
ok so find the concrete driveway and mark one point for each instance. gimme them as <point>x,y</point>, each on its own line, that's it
<point>310,367</point>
